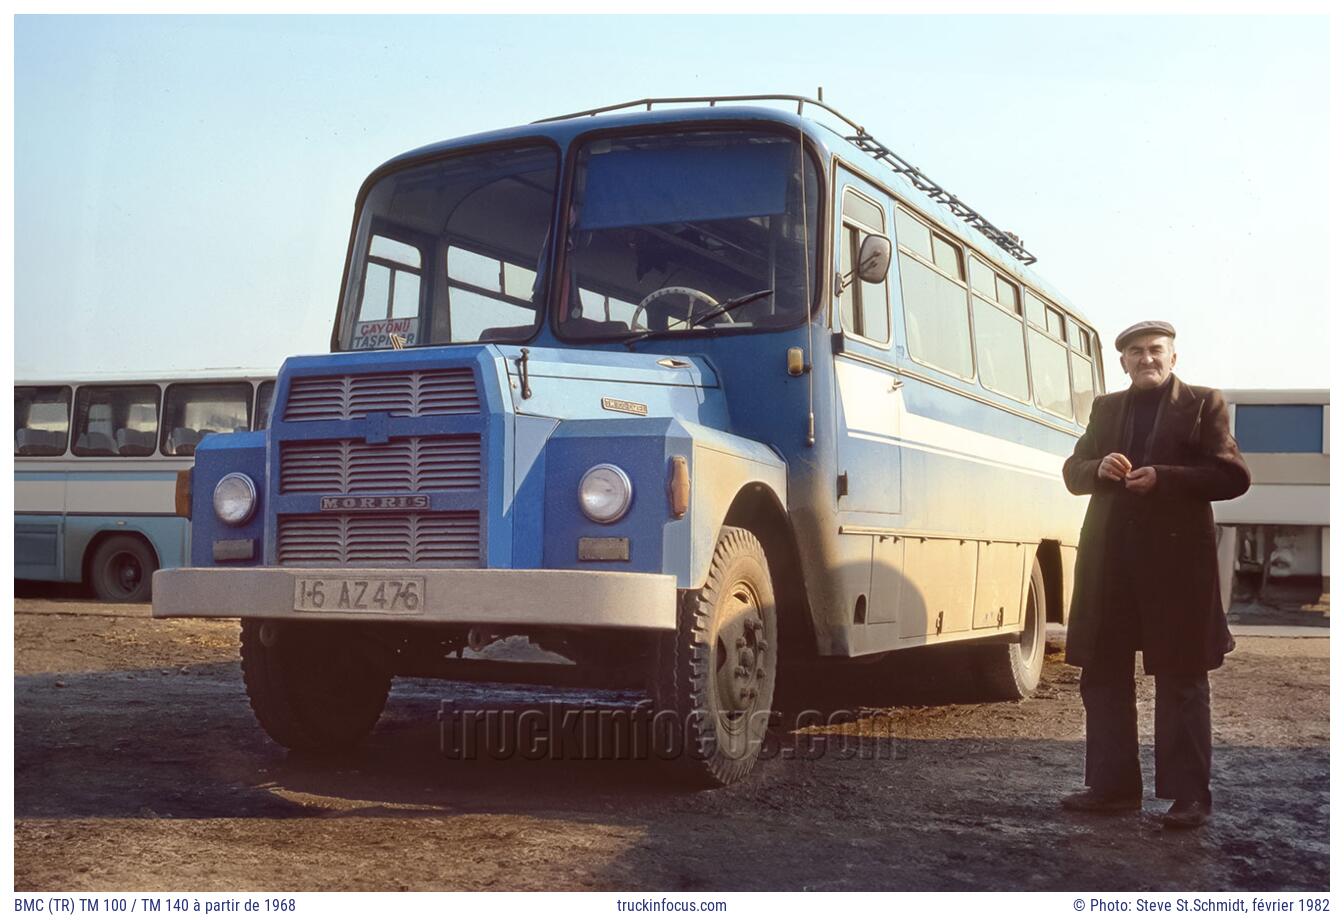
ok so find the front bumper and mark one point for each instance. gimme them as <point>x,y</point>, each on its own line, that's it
<point>460,597</point>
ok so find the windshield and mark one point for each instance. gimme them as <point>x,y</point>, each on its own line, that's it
<point>666,228</point>
<point>449,252</point>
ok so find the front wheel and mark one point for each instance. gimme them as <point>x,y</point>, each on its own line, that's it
<point>717,674</point>
<point>1011,672</point>
<point>312,686</point>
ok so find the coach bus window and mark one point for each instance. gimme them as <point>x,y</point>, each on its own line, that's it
<point>947,257</point>
<point>1050,374</point>
<point>863,306</point>
<point>41,421</point>
<point>116,421</point>
<point>1054,323</point>
<point>1082,387</point>
<point>193,410</point>
<point>418,224</point>
<point>913,235</point>
<point>1035,310</point>
<point>937,323</point>
<point>265,393</point>
<point>677,223</point>
<point>1000,353</point>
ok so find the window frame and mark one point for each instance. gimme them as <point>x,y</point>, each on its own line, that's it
<point>963,255</point>
<point>167,395</point>
<point>1021,325</point>
<point>69,416</point>
<point>818,299</point>
<point>847,224</point>
<point>75,414</point>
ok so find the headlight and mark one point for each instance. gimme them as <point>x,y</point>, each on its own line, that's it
<point>604,493</point>
<point>235,499</point>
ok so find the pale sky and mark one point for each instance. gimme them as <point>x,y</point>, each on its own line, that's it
<point>184,185</point>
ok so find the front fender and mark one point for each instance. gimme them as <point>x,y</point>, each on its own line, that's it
<point>720,466</point>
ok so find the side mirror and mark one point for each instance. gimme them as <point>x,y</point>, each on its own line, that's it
<point>874,258</point>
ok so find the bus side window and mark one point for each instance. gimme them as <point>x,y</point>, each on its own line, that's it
<point>41,421</point>
<point>1000,352</point>
<point>863,306</point>
<point>193,410</point>
<point>1080,366</point>
<point>113,421</point>
<point>265,397</point>
<point>933,291</point>
<point>1050,366</point>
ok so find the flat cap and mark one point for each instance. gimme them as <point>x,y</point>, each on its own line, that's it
<point>1147,327</point>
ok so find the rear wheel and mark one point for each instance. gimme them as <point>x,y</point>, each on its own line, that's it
<point>121,570</point>
<point>1011,672</point>
<point>312,686</point>
<point>717,674</point>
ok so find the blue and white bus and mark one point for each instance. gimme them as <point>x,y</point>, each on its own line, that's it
<point>686,393</point>
<point>95,471</point>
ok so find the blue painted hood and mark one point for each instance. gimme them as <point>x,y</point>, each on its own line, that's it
<point>614,366</point>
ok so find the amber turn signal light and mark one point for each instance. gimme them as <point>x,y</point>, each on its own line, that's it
<point>182,497</point>
<point>679,487</point>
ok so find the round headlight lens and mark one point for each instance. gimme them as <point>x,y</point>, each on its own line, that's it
<point>235,499</point>
<point>604,493</point>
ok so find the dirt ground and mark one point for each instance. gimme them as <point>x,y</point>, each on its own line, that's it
<point>139,766</point>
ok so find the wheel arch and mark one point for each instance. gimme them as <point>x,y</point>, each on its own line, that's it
<point>1052,572</point>
<point>757,508</point>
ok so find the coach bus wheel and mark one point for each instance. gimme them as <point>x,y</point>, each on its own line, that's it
<point>313,686</point>
<point>121,570</point>
<point>1012,671</point>
<point>717,675</point>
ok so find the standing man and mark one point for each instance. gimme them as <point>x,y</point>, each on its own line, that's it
<point>1152,458</point>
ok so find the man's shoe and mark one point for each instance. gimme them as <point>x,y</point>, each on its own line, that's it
<point>1092,800</point>
<point>1185,814</point>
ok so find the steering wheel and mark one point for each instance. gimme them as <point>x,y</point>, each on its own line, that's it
<point>691,293</point>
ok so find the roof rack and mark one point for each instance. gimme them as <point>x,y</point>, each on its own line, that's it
<point>860,138</point>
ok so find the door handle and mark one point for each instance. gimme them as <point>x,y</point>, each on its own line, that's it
<point>897,383</point>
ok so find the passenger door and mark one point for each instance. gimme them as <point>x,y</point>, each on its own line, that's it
<point>867,398</point>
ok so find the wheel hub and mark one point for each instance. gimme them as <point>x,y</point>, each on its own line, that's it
<point>740,649</point>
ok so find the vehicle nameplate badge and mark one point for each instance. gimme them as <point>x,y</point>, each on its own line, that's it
<point>622,405</point>
<point>417,502</point>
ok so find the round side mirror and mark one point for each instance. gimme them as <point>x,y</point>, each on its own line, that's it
<point>874,258</point>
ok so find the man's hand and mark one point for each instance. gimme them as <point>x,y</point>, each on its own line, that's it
<point>1114,466</point>
<point>1141,480</point>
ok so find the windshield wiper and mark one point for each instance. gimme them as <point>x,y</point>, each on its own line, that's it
<point>712,313</point>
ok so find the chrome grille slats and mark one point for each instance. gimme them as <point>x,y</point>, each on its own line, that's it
<point>415,464</point>
<point>446,391</point>
<point>450,539</point>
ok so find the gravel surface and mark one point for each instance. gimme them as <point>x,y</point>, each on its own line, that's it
<point>139,766</point>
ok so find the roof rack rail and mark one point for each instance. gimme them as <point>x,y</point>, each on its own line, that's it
<point>860,138</point>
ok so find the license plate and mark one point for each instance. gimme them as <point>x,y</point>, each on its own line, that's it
<point>360,595</point>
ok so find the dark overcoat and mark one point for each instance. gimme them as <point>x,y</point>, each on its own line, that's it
<point>1174,561</point>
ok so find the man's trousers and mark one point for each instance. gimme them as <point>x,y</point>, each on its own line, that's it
<point>1183,736</point>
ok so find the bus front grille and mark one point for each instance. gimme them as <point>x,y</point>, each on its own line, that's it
<point>448,391</point>
<point>415,464</point>
<point>450,539</point>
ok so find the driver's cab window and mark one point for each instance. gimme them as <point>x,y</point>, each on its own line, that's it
<point>863,306</point>
<point>699,232</point>
<point>449,251</point>
<point>390,301</point>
